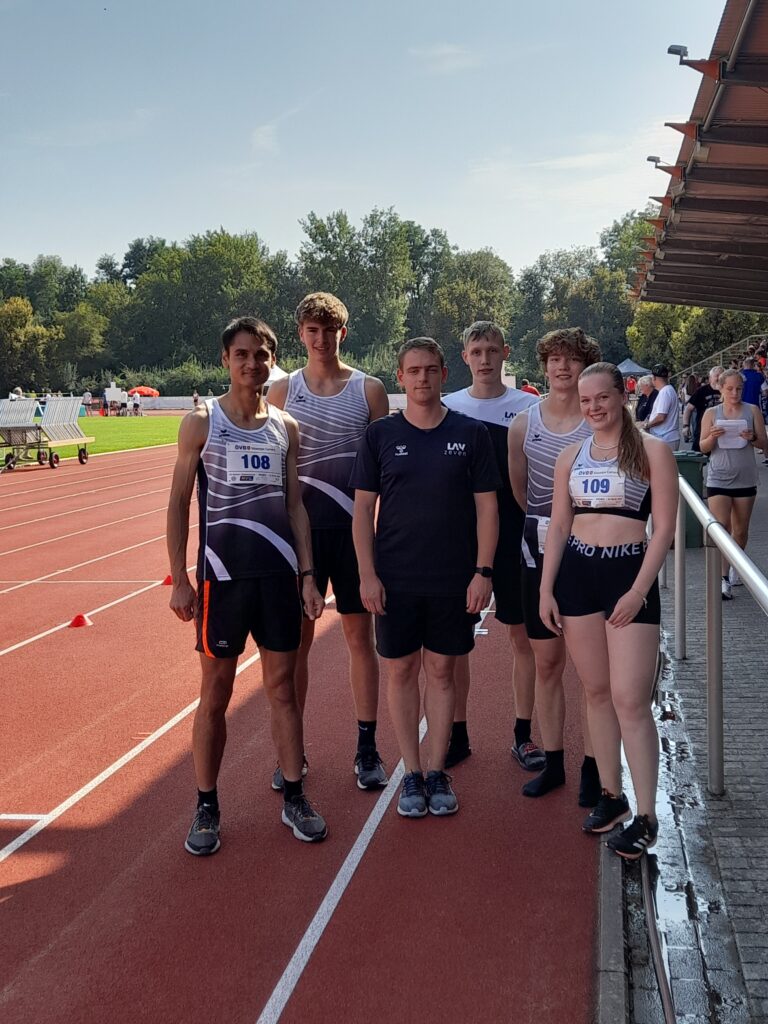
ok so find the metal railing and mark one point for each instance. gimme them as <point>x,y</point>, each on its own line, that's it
<point>733,351</point>
<point>717,542</point>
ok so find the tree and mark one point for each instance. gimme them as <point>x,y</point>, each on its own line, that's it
<point>139,256</point>
<point>703,333</point>
<point>14,279</point>
<point>82,337</point>
<point>73,288</point>
<point>622,241</point>
<point>600,305</point>
<point>108,270</point>
<point>430,254</point>
<point>652,330</point>
<point>24,346</point>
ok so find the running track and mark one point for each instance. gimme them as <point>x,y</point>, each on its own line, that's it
<point>488,916</point>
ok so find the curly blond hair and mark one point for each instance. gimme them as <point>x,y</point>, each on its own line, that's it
<point>570,341</point>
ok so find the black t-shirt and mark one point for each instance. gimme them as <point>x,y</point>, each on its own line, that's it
<point>426,531</point>
<point>705,397</point>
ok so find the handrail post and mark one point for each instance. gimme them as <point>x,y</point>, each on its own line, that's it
<point>716,783</point>
<point>680,610</point>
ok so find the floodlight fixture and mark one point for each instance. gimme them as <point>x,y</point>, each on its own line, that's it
<point>654,160</point>
<point>678,51</point>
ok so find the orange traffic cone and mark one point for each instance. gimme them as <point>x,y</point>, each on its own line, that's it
<point>80,620</point>
<point>168,581</point>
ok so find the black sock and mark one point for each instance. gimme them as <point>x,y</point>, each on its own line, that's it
<point>292,789</point>
<point>208,799</point>
<point>459,733</point>
<point>589,785</point>
<point>522,731</point>
<point>552,776</point>
<point>589,768</point>
<point>366,734</point>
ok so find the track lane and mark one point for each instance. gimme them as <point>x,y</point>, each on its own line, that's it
<point>72,476</point>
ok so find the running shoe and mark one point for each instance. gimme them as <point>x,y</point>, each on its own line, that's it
<point>458,751</point>
<point>203,836</point>
<point>734,579</point>
<point>527,755</point>
<point>610,811</point>
<point>725,589</point>
<point>307,824</point>
<point>440,797</point>
<point>413,800</point>
<point>369,769</point>
<point>632,842</point>
<point>277,776</point>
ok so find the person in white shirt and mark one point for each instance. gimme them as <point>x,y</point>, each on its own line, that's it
<point>87,400</point>
<point>663,421</point>
<point>136,403</point>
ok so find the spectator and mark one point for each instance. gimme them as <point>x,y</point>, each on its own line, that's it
<point>707,397</point>
<point>195,398</point>
<point>87,402</point>
<point>688,389</point>
<point>753,382</point>
<point>136,403</point>
<point>647,397</point>
<point>16,394</point>
<point>123,403</point>
<point>529,388</point>
<point>631,385</point>
<point>664,417</point>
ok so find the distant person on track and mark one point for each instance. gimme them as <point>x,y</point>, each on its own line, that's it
<point>705,397</point>
<point>599,588</point>
<point>491,402</point>
<point>333,405</point>
<point>123,403</point>
<point>242,453</point>
<point>87,402</point>
<point>195,399</point>
<point>536,438</point>
<point>425,559</point>
<point>729,432</point>
<point>664,419</point>
<point>136,403</point>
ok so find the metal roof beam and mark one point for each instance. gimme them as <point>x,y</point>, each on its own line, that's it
<point>722,229</point>
<point>708,293</point>
<point>742,207</point>
<point>723,274</point>
<point>708,289</point>
<point>747,177</point>
<point>706,303</point>
<point>704,259</point>
<point>750,134</point>
<point>716,247</point>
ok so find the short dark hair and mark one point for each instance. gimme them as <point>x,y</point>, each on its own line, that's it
<point>428,344</point>
<point>661,371</point>
<point>251,325</point>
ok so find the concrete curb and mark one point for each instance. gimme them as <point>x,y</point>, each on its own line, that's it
<point>612,986</point>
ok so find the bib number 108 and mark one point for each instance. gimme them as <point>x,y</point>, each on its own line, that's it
<point>255,461</point>
<point>597,486</point>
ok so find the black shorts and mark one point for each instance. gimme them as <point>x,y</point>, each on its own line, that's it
<point>732,492</point>
<point>592,579</point>
<point>334,559</point>
<point>267,607</point>
<point>440,624</point>
<point>508,587</point>
<point>534,627</point>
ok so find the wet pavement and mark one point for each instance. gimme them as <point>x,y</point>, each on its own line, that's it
<point>711,861</point>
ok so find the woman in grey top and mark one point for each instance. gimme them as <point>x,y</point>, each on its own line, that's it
<point>728,433</point>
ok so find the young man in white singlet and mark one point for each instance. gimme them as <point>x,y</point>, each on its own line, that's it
<point>333,404</point>
<point>536,438</point>
<point>496,405</point>
<point>242,454</point>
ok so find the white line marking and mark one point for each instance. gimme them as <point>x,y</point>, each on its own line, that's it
<point>284,989</point>
<point>21,817</point>
<point>81,494</point>
<point>127,451</point>
<point>69,583</point>
<point>89,787</point>
<point>124,470</point>
<point>77,533</point>
<point>84,508</point>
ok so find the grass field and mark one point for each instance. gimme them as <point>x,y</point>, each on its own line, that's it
<point>118,433</point>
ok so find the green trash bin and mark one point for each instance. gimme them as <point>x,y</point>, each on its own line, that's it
<point>690,466</point>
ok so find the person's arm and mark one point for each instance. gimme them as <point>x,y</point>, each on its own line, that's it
<point>377,398</point>
<point>372,591</point>
<point>487,515</point>
<point>192,436</point>
<point>661,407</point>
<point>278,392</point>
<point>557,536</point>
<point>709,432</point>
<point>757,435</point>
<point>664,499</point>
<point>688,411</point>
<point>299,522</point>
<point>518,463</point>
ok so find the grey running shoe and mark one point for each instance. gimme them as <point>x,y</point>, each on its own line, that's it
<point>413,800</point>
<point>369,769</point>
<point>203,836</point>
<point>440,797</point>
<point>609,812</point>
<point>277,775</point>
<point>307,824</point>
<point>529,756</point>
<point>725,589</point>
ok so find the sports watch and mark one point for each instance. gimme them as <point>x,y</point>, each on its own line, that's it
<point>485,571</point>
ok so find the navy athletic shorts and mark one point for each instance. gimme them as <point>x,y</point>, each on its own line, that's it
<point>508,587</point>
<point>592,579</point>
<point>335,561</point>
<point>267,607</point>
<point>412,621</point>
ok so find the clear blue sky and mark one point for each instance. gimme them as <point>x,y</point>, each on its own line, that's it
<point>523,126</point>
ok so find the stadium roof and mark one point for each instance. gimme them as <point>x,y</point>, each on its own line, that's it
<point>709,243</point>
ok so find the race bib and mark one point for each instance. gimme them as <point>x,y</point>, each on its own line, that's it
<point>542,525</point>
<point>597,487</point>
<point>254,463</point>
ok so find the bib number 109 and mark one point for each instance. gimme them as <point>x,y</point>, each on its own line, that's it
<point>254,461</point>
<point>596,485</point>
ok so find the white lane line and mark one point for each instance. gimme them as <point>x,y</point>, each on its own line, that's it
<point>285,987</point>
<point>89,561</point>
<point>85,508</point>
<point>21,817</point>
<point>127,451</point>
<point>89,529</point>
<point>89,787</point>
<point>70,583</point>
<point>82,494</point>
<point>123,470</point>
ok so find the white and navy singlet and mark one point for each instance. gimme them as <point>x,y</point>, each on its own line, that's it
<point>244,526</point>
<point>599,486</point>
<point>330,430</point>
<point>542,447</point>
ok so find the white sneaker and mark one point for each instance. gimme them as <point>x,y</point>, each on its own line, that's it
<point>725,590</point>
<point>734,579</point>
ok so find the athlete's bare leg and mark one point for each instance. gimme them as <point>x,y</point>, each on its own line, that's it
<point>278,669</point>
<point>301,674</point>
<point>523,671</point>
<point>209,730</point>
<point>549,658</point>
<point>404,706</point>
<point>438,705</point>
<point>363,664</point>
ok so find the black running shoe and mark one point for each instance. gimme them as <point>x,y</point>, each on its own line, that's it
<point>458,751</point>
<point>528,756</point>
<point>369,769</point>
<point>632,842</point>
<point>203,836</point>
<point>610,811</point>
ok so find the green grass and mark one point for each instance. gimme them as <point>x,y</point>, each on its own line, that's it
<point>121,433</point>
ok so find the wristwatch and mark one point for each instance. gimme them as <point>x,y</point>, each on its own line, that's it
<point>485,571</point>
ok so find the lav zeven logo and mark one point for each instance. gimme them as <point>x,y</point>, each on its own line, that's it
<point>401,449</point>
<point>455,448</point>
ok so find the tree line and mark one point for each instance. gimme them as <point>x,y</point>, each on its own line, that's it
<point>155,316</point>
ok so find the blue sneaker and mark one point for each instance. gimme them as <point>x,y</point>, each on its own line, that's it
<point>413,801</point>
<point>440,797</point>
